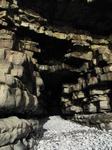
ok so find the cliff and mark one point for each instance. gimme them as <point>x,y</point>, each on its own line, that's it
<point>55,58</point>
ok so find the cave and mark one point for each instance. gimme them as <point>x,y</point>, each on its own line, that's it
<point>55,59</point>
<point>53,51</point>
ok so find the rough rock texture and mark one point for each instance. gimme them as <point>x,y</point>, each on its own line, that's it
<point>56,58</point>
<point>13,128</point>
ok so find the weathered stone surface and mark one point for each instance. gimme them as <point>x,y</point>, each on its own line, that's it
<point>17,71</point>
<point>16,100</point>
<point>6,43</point>
<point>4,4</point>
<point>83,56</point>
<point>74,64</point>
<point>107,69</point>
<point>6,147</point>
<point>78,95</point>
<point>93,81</point>
<point>104,105</point>
<point>98,70</point>
<point>13,128</point>
<point>2,53</point>
<point>76,109</point>
<point>5,66</point>
<point>104,58</point>
<point>90,108</point>
<point>18,58</point>
<point>101,121</point>
<point>99,92</point>
<point>6,34</point>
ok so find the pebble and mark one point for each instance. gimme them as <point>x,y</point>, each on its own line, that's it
<point>59,134</point>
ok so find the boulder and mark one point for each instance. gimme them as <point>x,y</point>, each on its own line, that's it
<point>13,128</point>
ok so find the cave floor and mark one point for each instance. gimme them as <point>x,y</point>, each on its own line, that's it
<point>56,133</point>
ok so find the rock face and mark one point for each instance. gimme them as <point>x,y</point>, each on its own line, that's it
<point>52,61</point>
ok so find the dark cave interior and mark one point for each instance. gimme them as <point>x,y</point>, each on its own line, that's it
<point>78,14</point>
<point>52,54</point>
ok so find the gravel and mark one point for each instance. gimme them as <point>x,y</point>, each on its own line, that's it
<point>56,133</point>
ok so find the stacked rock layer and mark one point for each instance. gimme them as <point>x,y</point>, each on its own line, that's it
<point>49,67</point>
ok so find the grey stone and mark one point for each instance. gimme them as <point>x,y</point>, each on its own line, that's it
<point>13,128</point>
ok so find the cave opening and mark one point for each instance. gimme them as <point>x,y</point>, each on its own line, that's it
<point>52,56</point>
<point>53,89</point>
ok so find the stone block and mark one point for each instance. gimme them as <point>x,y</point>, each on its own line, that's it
<point>2,53</point>
<point>90,108</point>
<point>103,77</point>
<point>78,95</point>
<point>107,69</point>
<point>66,90</point>
<point>17,71</point>
<point>4,4</point>
<point>103,97</point>
<point>64,100</point>
<point>6,44</point>
<point>92,81</point>
<point>18,58</point>
<point>30,46</point>
<point>3,14</point>
<point>76,109</point>
<point>6,35</point>
<point>99,49</point>
<point>100,41</point>
<point>7,79</point>
<point>79,55</point>
<point>24,24</point>
<point>7,100</point>
<point>106,77</point>
<point>109,75</point>
<point>80,42</point>
<point>5,66</point>
<point>10,81</point>
<point>49,33</point>
<point>41,30</point>
<point>98,70</point>
<point>34,61</point>
<point>39,81</point>
<point>2,78</point>
<point>99,92</point>
<point>105,58</point>
<point>84,67</point>
<point>104,106</point>
<point>4,23</point>
<point>31,102</point>
<point>75,87</point>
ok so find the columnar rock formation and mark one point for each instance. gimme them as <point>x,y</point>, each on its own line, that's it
<point>50,64</point>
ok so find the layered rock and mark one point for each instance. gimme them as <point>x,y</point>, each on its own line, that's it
<point>49,67</point>
<point>13,128</point>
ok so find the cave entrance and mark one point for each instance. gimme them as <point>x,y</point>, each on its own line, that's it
<point>52,55</point>
<point>53,51</point>
<point>53,84</point>
<point>53,88</point>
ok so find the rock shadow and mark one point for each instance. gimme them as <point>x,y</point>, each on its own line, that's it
<point>41,129</point>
